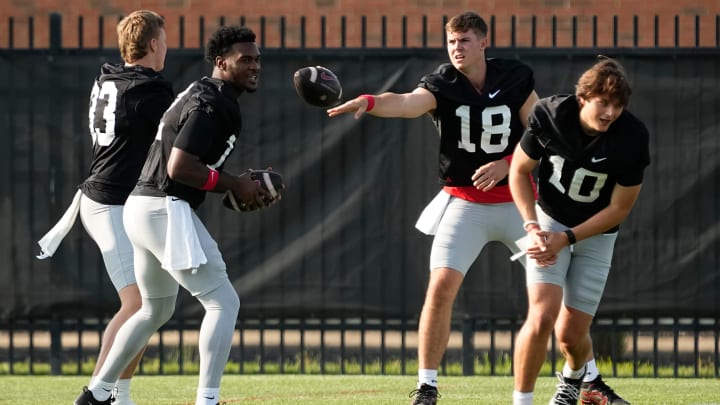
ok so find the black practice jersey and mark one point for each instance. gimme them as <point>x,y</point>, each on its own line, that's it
<point>477,128</point>
<point>204,120</point>
<point>578,172</point>
<point>126,104</point>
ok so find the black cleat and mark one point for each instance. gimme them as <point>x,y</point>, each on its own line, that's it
<point>87,398</point>
<point>425,395</point>
<point>568,391</point>
<point>596,392</point>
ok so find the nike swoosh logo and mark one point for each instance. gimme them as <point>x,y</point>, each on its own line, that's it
<point>177,199</point>
<point>106,390</point>
<point>595,160</point>
<point>492,95</point>
<point>213,397</point>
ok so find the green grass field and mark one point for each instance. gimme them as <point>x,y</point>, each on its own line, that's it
<point>338,389</point>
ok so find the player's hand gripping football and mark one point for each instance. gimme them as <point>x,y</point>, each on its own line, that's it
<point>261,188</point>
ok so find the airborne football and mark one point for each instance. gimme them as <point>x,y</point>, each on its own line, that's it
<point>318,86</point>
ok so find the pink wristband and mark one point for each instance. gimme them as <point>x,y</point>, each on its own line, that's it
<point>213,177</point>
<point>370,100</point>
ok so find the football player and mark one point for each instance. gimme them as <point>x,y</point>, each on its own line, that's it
<point>126,103</point>
<point>480,107</point>
<point>591,154</point>
<point>171,245</point>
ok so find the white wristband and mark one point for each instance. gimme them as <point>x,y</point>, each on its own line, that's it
<point>530,222</point>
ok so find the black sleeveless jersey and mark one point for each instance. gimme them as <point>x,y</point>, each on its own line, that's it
<point>577,172</point>
<point>477,128</point>
<point>204,120</point>
<point>126,104</point>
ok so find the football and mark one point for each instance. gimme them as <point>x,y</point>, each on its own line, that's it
<point>269,180</point>
<point>318,86</point>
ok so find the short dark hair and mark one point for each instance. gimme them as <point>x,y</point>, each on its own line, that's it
<point>605,78</point>
<point>468,20</point>
<point>224,38</point>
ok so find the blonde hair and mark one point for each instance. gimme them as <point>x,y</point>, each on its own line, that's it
<point>135,32</point>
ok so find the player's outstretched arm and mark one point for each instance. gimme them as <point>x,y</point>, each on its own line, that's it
<point>405,105</point>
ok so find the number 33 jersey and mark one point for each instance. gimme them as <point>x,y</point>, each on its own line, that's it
<point>126,105</point>
<point>477,127</point>
<point>578,172</point>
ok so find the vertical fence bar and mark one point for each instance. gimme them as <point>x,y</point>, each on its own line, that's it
<point>282,32</point>
<point>323,24</point>
<point>468,347</point>
<point>513,31</point>
<point>424,31</point>
<point>655,347</point>
<point>55,329</point>
<point>323,358</point>
<point>383,30</point>
<point>656,29</point>
<point>554,31</point>
<point>31,32</point>
<point>11,32</point>
<point>181,32</point>
<point>343,327</point>
<point>677,31</point>
<point>492,355</point>
<point>241,327</point>
<point>302,346</point>
<point>55,32</point>
<point>261,332</point>
<point>492,31</point>
<point>697,31</point>
<point>363,31</point>
<point>80,31</point>
<point>101,28</point>
<point>635,348</point>
<point>363,344</point>
<point>263,37</point>
<point>717,347</point>
<point>594,31</point>
<point>533,31</point>
<point>613,348</point>
<point>383,336</point>
<point>404,31</point>
<point>635,31</point>
<point>444,33</point>
<point>201,34</point>
<point>615,31</point>
<point>343,31</point>
<point>676,338</point>
<point>696,346</point>
<point>574,31</point>
<point>302,32</point>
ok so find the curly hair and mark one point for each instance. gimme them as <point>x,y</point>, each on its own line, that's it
<point>135,31</point>
<point>223,39</point>
<point>605,78</point>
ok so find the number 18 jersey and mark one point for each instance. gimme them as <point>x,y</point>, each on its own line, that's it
<point>477,127</point>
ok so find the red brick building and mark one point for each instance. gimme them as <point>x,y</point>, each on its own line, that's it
<point>616,21</point>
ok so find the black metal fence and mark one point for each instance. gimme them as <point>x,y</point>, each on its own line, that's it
<point>282,32</point>
<point>687,346</point>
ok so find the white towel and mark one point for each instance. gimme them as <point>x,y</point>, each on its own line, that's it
<point>430,218</point>
<point>50,242</point>
<point>182,246</point>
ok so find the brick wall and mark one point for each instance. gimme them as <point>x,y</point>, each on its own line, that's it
<point>687,12</point>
